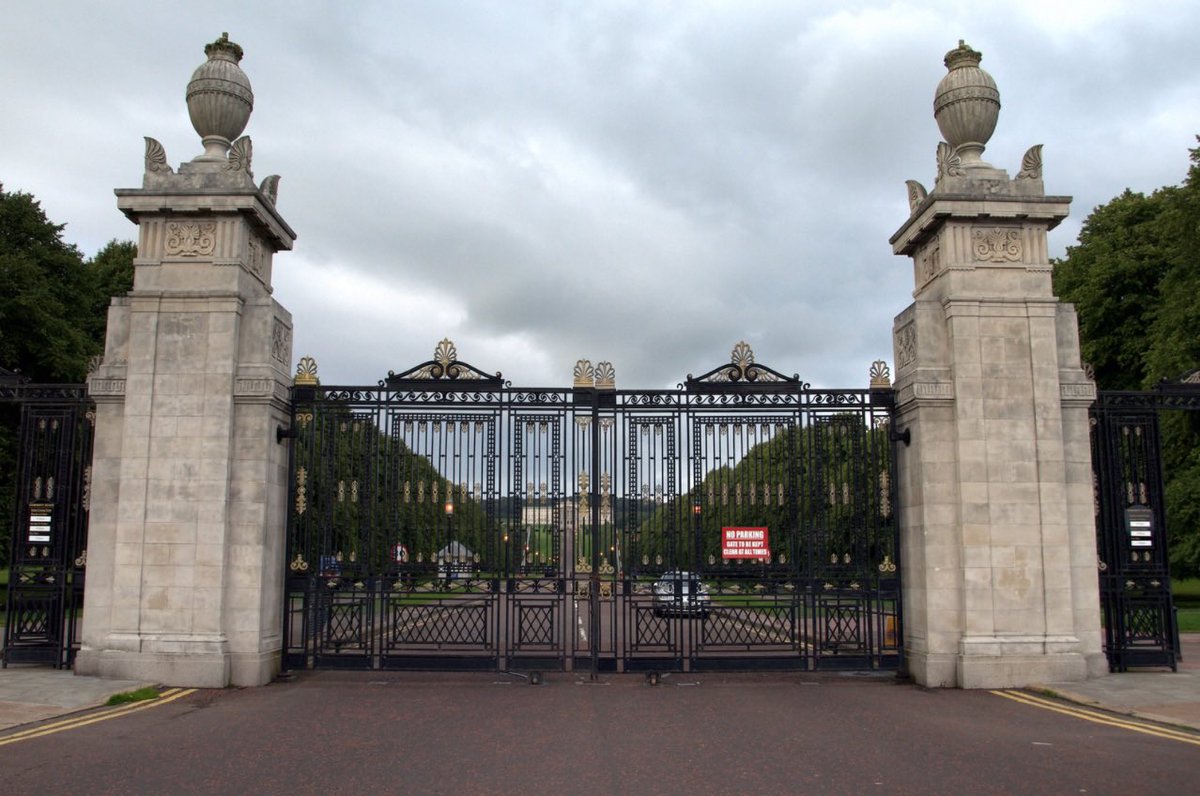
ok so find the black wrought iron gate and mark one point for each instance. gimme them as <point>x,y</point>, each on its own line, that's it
<point>1131,528</point>
<point>444,519</point>
<point>47,556</point>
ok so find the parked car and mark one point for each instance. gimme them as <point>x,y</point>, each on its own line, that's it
<point>681,593</point>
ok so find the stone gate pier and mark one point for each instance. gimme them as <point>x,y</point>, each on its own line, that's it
<point>189,484</point>
<point>997,525</point>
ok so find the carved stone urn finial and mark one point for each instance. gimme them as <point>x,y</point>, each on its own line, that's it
<point>219,98</point>
<point>966,105</point>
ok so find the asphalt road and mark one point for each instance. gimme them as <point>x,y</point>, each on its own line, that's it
<point>332,732</point>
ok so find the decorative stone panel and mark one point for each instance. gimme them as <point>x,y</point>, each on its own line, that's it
<point>191,238</point>
<point>281,342</point>
<point>996,244</point>
<point>106,387</point>
<point>933,390</point>
<point>906,347</point>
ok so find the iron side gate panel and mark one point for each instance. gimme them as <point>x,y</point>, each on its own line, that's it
<point>444,519</point>
<point>1135,587</point>
<point>49,526</point>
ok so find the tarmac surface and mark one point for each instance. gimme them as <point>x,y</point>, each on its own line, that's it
<point>31,694</point>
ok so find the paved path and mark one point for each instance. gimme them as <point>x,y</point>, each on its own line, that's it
<point>36,693</point>
<point>1159,695</point>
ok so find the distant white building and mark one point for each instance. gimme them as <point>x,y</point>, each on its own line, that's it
<point>564,513</point>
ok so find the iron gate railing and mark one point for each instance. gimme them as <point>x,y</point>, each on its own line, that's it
<point>48,552</point>
<point>445,519</point>
<point>1140,627</point>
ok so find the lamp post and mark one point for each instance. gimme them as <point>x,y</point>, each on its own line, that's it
<point>449,561</point>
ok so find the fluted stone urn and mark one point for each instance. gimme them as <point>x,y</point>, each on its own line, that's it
<point>219,98</point>
<point>966,105</point>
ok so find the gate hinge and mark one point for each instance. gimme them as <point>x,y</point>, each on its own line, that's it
<point>904,436</point>
<point>282,433</point>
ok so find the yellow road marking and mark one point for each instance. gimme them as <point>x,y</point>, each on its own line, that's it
<point>169,695</point>
<point>1100,718</point>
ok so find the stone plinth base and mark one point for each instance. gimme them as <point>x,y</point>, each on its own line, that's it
<point>932,669</point>
<point>1017,671</point>
<point>186,669</point>
<point>1006,663</point>
<point>253,669</point>
<point>180,669</point>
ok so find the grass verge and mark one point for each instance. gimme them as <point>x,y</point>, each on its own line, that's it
<point>125,697</point>
<point>1189,620</point>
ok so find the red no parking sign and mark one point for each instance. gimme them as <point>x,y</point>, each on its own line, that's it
<point>744,543</point>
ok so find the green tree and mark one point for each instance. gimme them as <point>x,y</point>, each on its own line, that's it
<point>44,283</point>
<point>1133,278</point>
<point>108,274</point>
<point>53,310</point>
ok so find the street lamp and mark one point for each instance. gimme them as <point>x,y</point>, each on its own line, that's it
<point>451,556</point>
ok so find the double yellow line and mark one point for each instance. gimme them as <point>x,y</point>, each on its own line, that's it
<point>169,695</point>
<point>1101,718</point>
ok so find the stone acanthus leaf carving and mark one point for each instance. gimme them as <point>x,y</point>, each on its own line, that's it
<point>948,162</point>
<point>906,346</point>
<point>156,157</point>
<point>240,155</point>
<point>916,195</point>
<point>1031,164</point>
<point>94,364</point>
<point>996,244</point>
<point>191,238</point>
<point>270,188</point>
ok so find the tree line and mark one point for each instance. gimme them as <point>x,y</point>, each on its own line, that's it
<point>53,312</point>
<point>1134,278</point>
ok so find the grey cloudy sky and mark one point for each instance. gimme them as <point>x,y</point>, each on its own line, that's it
<point>640,182</point>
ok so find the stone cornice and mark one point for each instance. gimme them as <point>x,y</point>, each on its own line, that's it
<point>250,202</point>
<point>938,208</point>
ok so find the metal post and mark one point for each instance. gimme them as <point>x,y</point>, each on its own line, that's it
<point>594,498</point>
